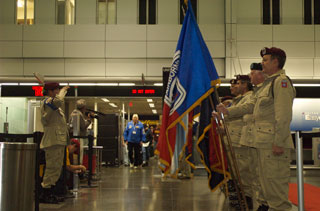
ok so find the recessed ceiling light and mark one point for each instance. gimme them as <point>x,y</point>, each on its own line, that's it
<point>154,111</point>
<point>158,84</point>
<point>151,105</point>
<point>82,84</point>
<point>105,100</point>
<point>29,84</point>
<point>107,84</point>
<point>127,84</point>
<point>9,84</point>
<point>149,100</point>
<point>113,105</point>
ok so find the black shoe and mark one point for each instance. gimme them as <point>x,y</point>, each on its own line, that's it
<point>249,202</point>
<point>47,197</point>
<point>263,208</point>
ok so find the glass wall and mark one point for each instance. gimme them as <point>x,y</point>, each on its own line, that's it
<point>15,112</point>
<point>106,12</point>
<point>25,12</point>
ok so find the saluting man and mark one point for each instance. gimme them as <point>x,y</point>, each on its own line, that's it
<point>272,115</point>
<point>134,135</point>
<point>54,139</point>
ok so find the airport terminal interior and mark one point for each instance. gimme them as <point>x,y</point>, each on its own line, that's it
<point>119,58</point>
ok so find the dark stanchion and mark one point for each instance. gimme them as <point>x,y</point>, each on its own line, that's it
<point>37,140</point>
<point>90,153</point>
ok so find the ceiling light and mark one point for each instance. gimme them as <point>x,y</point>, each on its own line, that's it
<point>9,84</point>
<point>154,111</point>
<point>149,100</point>
<point>224,84</point>
<point>107,84</point>
<point>306,85</point>
<point>158,84</point>
<point>63,84</point>
<point>82,84</point>
<point>151,105</point>
<point>127,84</point>
<point>105,100</point>
<point>113,105</point>
<point>28,84</point>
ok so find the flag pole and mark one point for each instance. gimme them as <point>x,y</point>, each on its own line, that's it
<point>235,174</point>
<point>221,151</point>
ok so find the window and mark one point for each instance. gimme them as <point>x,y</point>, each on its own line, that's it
<point>194,4</point>
<point>25,12</point>
<point>309,7</point>
<point>106,12</point>
<point>307,12</point>
<point>271,11</point>
<point>147,11</point>
<point>65,12</point>
<point>316,11</point>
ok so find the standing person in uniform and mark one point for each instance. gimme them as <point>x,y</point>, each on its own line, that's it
<point>134,136</point>
<point>272,115</point>
<point>54,139</point>
<point>235,125</point>
<point>250,175</point>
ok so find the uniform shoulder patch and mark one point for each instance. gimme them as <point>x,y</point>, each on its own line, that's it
<point>284,83</point>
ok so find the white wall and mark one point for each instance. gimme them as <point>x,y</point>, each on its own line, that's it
<point>127,12</point>
<point>291,12</point>
<point>7,8</point>
<point>231,29</point>
<point>248,11</point>
<point>168,12</point>
<point>211,11</point>
<point>45,12</point>
<point>86,11</point>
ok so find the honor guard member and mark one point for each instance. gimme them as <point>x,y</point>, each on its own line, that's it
<point>54,138</point>
<point>272,115</point>
<point>134,136</point>
<point>244,89</point>
<point>257,78</point>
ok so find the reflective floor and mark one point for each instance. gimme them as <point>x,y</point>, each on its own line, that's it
<point>143,189</point>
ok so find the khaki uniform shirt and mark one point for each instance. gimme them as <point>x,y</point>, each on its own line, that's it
<point>247,129</point>
<point>235,124</point>
<point>53,121</point>
<point>272,115</point>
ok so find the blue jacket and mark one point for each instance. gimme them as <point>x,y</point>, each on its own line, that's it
<point>134,133</point>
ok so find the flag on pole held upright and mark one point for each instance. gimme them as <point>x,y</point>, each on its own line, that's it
<point>192,79</point>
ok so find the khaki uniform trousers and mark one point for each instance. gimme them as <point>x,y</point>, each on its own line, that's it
<point>274,175</point>
<point>54,163</point>
<point>243,158</point>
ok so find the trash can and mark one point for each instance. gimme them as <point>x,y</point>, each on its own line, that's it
<point>17,176</point>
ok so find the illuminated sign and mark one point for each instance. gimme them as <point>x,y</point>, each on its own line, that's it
<point>37,91</point>
<point>143,91</point>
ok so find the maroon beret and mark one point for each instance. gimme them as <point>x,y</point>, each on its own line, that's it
<point>51,86</point>
<point>233,81</point>
<point>243,77</point>
<point>272,51</point>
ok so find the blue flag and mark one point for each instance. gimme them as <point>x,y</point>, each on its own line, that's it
<point>192,79</point>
